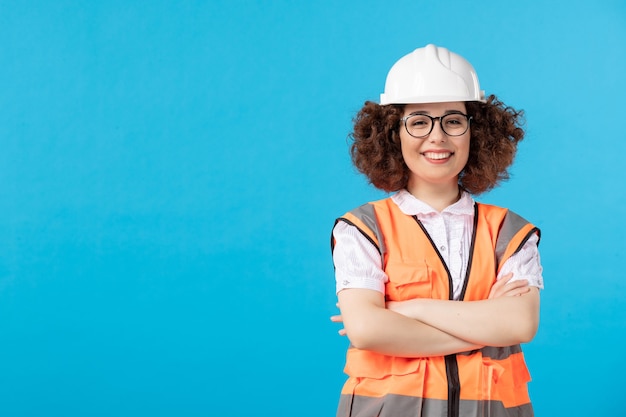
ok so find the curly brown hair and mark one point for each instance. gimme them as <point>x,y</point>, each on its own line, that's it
<point>495,131</point>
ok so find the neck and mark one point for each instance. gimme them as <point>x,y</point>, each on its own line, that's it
<point>437,196</point>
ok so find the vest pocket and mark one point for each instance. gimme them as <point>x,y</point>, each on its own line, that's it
<point>366,364</point>
<point>505,381</point>
<point>408,280</point>
<point>491,374</point>
<point>386,393</point>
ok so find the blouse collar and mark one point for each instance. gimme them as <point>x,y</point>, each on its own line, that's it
<point>411,206</point>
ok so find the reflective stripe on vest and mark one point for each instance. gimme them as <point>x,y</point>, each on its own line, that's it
<point>393,405</point>
<point>465,384</point>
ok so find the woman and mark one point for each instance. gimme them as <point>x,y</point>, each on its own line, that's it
<point>436,291</point>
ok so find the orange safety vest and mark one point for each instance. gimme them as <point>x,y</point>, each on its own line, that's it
<point>491,381</point>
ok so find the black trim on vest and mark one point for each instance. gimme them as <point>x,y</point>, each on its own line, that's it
<point>530,233</point>
<point>468,269</point>
<point>454,386</point>
<point>450,286</point>
<point>343,219</point>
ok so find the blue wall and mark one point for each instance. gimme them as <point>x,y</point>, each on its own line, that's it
<point>170,172</point>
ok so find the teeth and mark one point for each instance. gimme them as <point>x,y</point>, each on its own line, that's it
<point>433,155</point>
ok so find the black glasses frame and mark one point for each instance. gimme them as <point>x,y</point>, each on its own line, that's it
<point>432,124</point>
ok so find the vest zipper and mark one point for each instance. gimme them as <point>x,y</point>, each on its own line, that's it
<point>454,387</point>
<point>452,366</point>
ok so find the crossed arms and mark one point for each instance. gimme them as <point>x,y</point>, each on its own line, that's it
<point>427,327</point>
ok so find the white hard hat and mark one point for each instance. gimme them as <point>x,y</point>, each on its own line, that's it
<point>431,75</point>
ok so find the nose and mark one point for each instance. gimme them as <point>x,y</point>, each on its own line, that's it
<point>437,134</point>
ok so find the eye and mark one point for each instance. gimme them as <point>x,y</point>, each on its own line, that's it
<point>419,121</point>
<point>454,120</point>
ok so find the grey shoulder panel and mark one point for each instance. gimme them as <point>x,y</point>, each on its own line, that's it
<point>511,225</point>
<point>367,215</point>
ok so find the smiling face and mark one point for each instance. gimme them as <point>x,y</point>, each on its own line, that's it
<point>436,160</point>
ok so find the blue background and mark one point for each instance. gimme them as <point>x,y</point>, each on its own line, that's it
<point>170,172</point>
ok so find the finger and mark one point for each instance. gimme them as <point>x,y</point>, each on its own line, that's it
<point>498,284</point>
<point>503,280</point>
<point>522,283</point>
<point>504,284</point>
<point>336,319</point>
<point>497,288</point>
<point>516,291</point>
<point>506,277</point>
<point>342,332</point>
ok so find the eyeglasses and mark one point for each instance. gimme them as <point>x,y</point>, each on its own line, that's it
<point>452,124</point>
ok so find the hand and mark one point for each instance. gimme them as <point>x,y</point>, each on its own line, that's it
<point>338,319</point>
<point>505,287</point>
